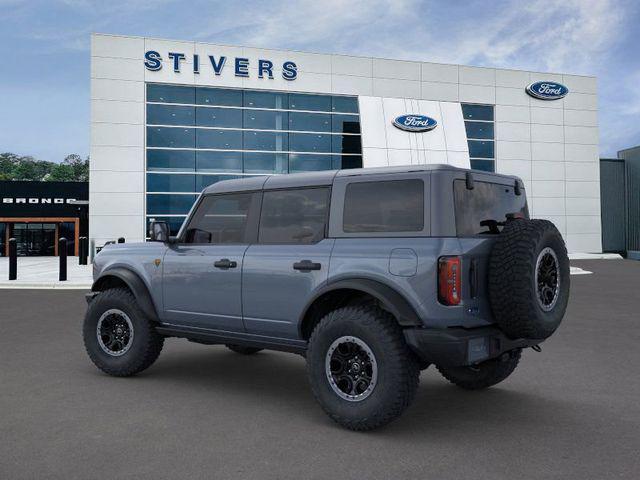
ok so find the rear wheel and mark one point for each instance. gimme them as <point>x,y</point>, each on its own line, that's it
<point>242,349</point>
<point>119,338</point>
<point>361,371</point>
<point>483,375</point>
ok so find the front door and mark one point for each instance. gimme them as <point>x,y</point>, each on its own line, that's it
<point>202,272</point>
<point>289,262</point>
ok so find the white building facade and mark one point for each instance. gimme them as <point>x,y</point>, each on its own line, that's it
<point>171,117</point>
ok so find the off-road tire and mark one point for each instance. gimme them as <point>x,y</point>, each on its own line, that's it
<point>145,346</point>
<point>242,349</point>
<point>397,367</point>
<point>483,375</point>
<point>513,291</point>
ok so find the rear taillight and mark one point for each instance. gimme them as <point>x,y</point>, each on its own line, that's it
<point>449,280</point>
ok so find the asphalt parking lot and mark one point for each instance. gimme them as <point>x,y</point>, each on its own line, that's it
<point>572,411</point>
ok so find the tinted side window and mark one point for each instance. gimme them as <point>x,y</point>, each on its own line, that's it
<point>220,219</point>
<point>389,206</point>
<point>295,216</point>
<point>478,210</point>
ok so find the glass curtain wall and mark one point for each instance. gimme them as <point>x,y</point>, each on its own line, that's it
<point>197,136</point>
<point>480,127</point>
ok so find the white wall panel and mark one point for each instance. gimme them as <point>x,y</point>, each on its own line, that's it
<point>513,150</point>
<point>583,224</point>
<point>116,158</point>
<point>346,65</point>
<point>512,96</point>
<point>579,84</point>
<point>547,171</point>
<point>123,90</point>
<point>520,168</point>
<point>580,171</point>
<point>374,157</point>
<point>396,69</point>
<point>117,47</point>
<point>581,135</point>
<point>454,131</point>
<point>512,78</point>
<point>438,72</point>
<point>512,113</point>
<point>122,204</point>
<point>581,153</point>
<point>516,132</point>
<point>549,188</point>
<point>112,111</point>
<point>584,242</point>
<point>547,133</point>
<point>477,94</point>
<point>113,134</point>
<point>117,68</point>
<point>544,206</point>
<point>351,85</point>
<point>477,76</point>
<point>583,189</point>
<point>550,116</point>
<point>581,101</point>
<point>383,87</point>
<point>439,91</point>
<point>116,182</point>
<point>583,206</point>
<point>552,152</point>
<point>584,118</point>
<point>372,122</point>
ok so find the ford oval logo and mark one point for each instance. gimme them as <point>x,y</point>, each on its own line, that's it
<point>547,90</point>
<point>415,123</point>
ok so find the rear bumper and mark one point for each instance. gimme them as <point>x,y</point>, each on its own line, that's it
<point>454,347</point>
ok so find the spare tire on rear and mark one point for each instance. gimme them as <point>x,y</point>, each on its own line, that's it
<point>529,279</point>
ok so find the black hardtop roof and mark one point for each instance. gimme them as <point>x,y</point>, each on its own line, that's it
<point>325,177</point>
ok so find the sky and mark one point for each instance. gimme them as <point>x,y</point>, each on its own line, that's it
<point>44,77</point>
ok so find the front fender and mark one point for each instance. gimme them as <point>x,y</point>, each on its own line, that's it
<point>135,284</point>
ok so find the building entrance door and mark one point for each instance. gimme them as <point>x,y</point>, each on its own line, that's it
<point>35,239</point>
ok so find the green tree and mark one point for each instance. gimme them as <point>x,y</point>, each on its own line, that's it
<point>61,173</point>
<point>16,167</point>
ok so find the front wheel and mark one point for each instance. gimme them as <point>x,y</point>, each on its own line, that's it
<point>361,371</point>
<point>119,338</point>
<point>485,374</point>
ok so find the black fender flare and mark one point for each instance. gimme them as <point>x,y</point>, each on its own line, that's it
<point>390,299</point>
<point>135,284</point>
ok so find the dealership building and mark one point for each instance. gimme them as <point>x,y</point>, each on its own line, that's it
<point>171,117</point>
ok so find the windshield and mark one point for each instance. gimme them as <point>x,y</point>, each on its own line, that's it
<point>484,209</point>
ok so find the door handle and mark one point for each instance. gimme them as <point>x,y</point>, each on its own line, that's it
<point>306,265</point>
<point>225,263</point>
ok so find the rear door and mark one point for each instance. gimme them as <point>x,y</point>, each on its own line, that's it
<point>290,260</point>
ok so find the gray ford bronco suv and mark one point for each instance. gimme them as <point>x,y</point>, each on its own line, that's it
<point>371,274</point>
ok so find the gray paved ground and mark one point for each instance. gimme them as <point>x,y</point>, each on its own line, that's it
<point>204,412</point>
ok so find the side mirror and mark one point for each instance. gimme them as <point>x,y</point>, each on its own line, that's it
<point>159,231</point>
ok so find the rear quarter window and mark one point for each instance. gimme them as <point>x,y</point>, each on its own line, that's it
<point>385,206</point>
<point>481,210</point>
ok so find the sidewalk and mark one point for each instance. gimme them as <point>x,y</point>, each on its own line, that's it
<point>42,272</point>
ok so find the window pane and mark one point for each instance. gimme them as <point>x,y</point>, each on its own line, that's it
<point>169,115</point>
<point>203,181</point>
<point>316,103</point>
<point>174,160</point>
<point>480,149</point>
<point>345,123</point>
<point>220,219</point>
<point>477,112</point>
<point>174,223</point>
<point>345,104</point>
<point>310,122</point>
<point>219,117</point>
<point>391,206</point>
<point>347,144</point>
<point>487,201</point>
<point>294,216</point>
<point>223,139</point>
<point>259,162</point>
<point>167,182</point>
<point>170,94</point>
<point>310,142</point>
<point>306,163</point>
<point>265,99</point>
<point>219,161</point>
<point>170,137</point>
<point>486,165</point>
<point>219,97</point>
<point>265,120</point>
<point>479,129</point>
<point>169,204</point>
<point>347,161</point>
<point>265,141</point>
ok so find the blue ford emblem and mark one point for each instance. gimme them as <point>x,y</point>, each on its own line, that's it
<point>547,90</point>
<point>415,123</point>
